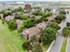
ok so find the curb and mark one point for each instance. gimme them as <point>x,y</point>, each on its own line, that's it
<point>50,46</point>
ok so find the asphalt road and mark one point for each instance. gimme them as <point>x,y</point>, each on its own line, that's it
<point>68,43</point>
<point>59,39</point>
<point>57,44</point>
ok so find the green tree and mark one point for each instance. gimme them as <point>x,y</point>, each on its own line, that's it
<point>38,11</point>
<point>67,12</point>
<point>48,35</point>
<point>68,24</point>
<point>49,9</point>
<point>21,16</point>
<point>27,23</point>
<point>66,31</point>
<point>46,14</point>
<point>2,11</point>
<point>34,38</point>
<point>60,17</point>
<point>27,46</point>
<point>54,25</point>
<point>62,12</point>
<point>18,9</point>
<point>37,48</point>
<point>12,24</point>
<point>6,14</point>
<point>21,28</point>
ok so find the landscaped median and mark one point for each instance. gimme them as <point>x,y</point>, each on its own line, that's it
<point>65,33</point>
<point>64,44</point>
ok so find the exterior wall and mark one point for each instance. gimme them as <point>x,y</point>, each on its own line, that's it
<point>24,36</point>
<point>27,6</point>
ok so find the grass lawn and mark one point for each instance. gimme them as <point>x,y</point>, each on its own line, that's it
<point>64,44</point>
<point>45,47</point>
<point>10,41</point>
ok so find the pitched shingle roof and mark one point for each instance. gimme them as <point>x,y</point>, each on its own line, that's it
<point>8,18</point>
<point>27,14</point>
<point>37,17</point>
<point>18,22</point>
<point>51,17</point>
<point>31,31</point>
<point>42,25</point>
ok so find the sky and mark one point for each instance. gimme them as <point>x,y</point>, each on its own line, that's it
<point>37,0</point>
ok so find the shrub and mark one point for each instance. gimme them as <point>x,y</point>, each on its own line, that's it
<point>21,28</point>
<point>67,12</point>
<point>68,24</point>
<point>62,12</point>
<point>6,14</point>
<point>48,35</point>
<point>14,10</point>
<point>27,46</point>
<point>12,24</point>
<point>37,48</point>
<point>8,9</point>
<point>66,31</point>
<point>28,23</point>
<point>2,11</point>
<point>54,25</point>
<point>48,9</point>
<point>60,17</point>
<point>47,14</point>
<point>20,16</point>
<point>18,9</point>
<point>58,21</point>
<point>45,19</point>
<point>37,12</point>
<point>0,17</point>
<point>52,21</point>
<point>38,21</point>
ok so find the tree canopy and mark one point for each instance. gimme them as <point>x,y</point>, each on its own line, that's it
<point>37,48</point>
<point>60,17</point>
<point>48,35</point>
<point>54,25</point>
<point>27,45</point>
<point>12,24</point>
<point>66,31</point>
<point>62,12</point>
<point>47,14</point>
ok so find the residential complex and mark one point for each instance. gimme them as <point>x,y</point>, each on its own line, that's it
<point>34,26</point>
